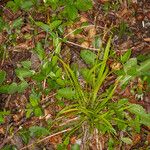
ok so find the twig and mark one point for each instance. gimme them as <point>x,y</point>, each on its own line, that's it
<point>68,121</point>
<point>46,138</point>
<point>93,49</point>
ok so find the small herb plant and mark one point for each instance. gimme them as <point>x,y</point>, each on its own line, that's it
<point>95,108</point>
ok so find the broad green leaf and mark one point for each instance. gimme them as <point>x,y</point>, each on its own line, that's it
<point>26,5</point>
<point>60,82</point>
<point>43,26</point>
<point>97,43</point>
<point>18,2</point>
<point>12,6</point>
<point>126,140</point>
<point>88,56</point>
<point>125,79</point>
<point>54,60</point>
<point>131,63</point>
<point>75,147</point>
<point>2,24</point>
<point>1,119</point>
<point>145,119</point>
<point>67,93</point>
<point>126,56</point>
<point>26,64</point>
<point>12,88</point>
<point>132,71</point>
<point>144,66</point>
<point>137,109</point>
<point>140,111</point>
<point>38,131</point>
<point>17,23</point>
<point>40,51</point>
<point>22,86</point>
<point>2,115</point>
<point>24,73</point>
<point>111,144</point>
<point>84,5</point>
<point>85,73</point>
<point>28,112</point>
<point>72,12</point>
<point>2,76</point>
<point>9,89</point>
<point>55,24</point>
<point>34,100</point>
<point>38,112</point>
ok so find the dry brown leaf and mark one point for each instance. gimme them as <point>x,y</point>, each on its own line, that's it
<point>85,44</point>
<point>92,32</point>
<point>56,139</point>
<point>83,19</point>
<point>115,66</point>
<point>137,139</point>
<point>1,38</point>
<point>73,140</point>
<point>2,130</point>
<point>147,39</point>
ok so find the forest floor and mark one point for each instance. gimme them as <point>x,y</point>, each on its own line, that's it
<point>130,25</point>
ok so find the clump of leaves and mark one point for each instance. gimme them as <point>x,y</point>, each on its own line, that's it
<point>96,108</point>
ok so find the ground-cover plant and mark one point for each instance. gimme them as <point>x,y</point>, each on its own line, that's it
<point>94,108</point>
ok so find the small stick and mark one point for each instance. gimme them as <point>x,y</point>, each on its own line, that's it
<point>93,49</point>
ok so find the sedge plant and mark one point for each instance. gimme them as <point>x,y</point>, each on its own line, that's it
<point>90,105</point>
<point>94,108</point>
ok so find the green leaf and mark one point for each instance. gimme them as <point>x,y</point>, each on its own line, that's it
<point>126,56</point>
<point>34,100</point>
<point>26,5</point>
<point>126,140</point>
<point>22,86</point>
<point>55,24</point>
<point>144,66</point>
<point>1,119</point>
<point>40,51</point>
<point>38,131</point>
<point>12,88</point>
<point>28,112</point>
<point>75,147</point>
<point>24,73</point>
<point>131,63</point>
<point>67,93</point>
<point>9,89</point>
<point>43,26</point>
<point>137,109</point>
<point>97,43</point>
<point>88,56</point>
<point>38,112</point>
<point>26,64</point>
<point>132,71</point>
<point>2,115</point>
<point>88,78</point>
<point>2,24</point>
<point>140,111</point>
<point>84,5</point>
<point>2,76</point>
<point>12,6</point>
<point>72,12</point>
<point>17,23</point>
<point>145,119</point>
